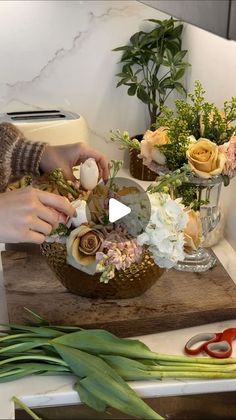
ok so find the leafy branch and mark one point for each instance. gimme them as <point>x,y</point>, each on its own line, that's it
<point>147,56</point>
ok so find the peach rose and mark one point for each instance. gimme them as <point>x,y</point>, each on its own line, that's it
<point>151,139</point>
<point>193,230</point>
<point>82,246</point>
<point>205,158</point>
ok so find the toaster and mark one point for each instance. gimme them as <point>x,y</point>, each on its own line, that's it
<point>51,126</point>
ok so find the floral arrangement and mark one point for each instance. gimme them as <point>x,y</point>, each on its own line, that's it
<point>94,245</point>
<point>196,140</point>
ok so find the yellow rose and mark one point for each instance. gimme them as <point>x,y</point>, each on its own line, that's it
<point>82,246</point>
<point>151,139</point>
<point>193,230</point>
<point>205,158</point>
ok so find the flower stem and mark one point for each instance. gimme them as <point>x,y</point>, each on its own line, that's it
<point>25,408</point>
<point>196,360</point>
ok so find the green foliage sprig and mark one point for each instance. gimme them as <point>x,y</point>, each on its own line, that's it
<point>178,184</point>
<point>168,183</point>
<point>61,230</point>
<point>58,177</point>
<point>197,118</point>
<point>124,141</point>
<point>152,64</point>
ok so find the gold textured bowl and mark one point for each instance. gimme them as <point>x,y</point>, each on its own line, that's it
<point>126,284</point>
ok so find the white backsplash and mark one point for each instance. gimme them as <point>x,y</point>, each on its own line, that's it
<point>213,61</point>
<point>59,54</point>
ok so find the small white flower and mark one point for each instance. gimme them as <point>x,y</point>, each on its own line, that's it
<point>82,213</point>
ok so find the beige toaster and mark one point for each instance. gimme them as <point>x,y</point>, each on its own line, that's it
<point>51,126</point>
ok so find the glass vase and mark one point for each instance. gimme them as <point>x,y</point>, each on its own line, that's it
<point>208,196</point>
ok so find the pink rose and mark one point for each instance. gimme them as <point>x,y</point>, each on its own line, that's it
<point>229,150</point>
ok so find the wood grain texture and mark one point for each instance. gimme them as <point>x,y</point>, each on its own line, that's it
<point>176,300</point>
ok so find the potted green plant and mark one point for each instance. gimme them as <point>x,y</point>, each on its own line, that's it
<point>152,68</point>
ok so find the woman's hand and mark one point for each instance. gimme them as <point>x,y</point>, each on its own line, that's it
<point>28,214</point>
<point>67,156</point>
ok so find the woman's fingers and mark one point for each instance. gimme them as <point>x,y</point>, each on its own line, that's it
<point>40,226</point>
<point>57,202</point>
<point>51,216</point>
<point>35,237</point>
<point>102,163</point>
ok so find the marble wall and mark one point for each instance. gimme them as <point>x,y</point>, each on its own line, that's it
<point>59,54</point>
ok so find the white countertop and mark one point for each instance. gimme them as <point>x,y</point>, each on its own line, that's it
<point>51,391</point>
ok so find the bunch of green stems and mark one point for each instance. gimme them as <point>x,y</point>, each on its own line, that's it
<point>102,363</point>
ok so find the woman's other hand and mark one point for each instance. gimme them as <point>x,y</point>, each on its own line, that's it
<point>70,155</point>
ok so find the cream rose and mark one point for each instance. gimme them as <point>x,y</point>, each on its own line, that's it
<point>205,158</point>
<point>151,139</point>
<point>193,230</point>
<point>82,246</point>
<point>89,174</point>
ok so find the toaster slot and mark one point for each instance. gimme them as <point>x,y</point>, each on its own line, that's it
<point>47,111</point>
<point>36,115</point>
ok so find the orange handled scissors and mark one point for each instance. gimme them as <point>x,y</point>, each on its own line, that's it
<point>214,344</point>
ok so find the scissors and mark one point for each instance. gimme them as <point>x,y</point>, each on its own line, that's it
<point>214,344</point>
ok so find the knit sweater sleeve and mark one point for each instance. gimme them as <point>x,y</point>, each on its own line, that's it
<point>18,156</point>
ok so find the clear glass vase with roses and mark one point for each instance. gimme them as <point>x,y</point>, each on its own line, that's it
<point>193,152</point>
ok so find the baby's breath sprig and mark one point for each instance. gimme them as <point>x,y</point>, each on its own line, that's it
<point>114,167</point>
<point>124,141</point>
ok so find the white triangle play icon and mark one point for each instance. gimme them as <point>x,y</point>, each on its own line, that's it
<point>117,210</point>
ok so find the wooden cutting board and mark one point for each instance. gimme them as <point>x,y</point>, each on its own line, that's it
<point>177,299</point>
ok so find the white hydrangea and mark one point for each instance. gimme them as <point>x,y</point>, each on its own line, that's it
<point>164,234</point>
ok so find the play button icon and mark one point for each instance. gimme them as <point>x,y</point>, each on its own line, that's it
<point>120,202</point>
<point>117,210</point>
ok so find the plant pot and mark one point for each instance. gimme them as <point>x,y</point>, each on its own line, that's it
<point>136,167</point>
<point>126,284</point>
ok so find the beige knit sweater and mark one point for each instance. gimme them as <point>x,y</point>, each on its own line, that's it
<point>18,156</point>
